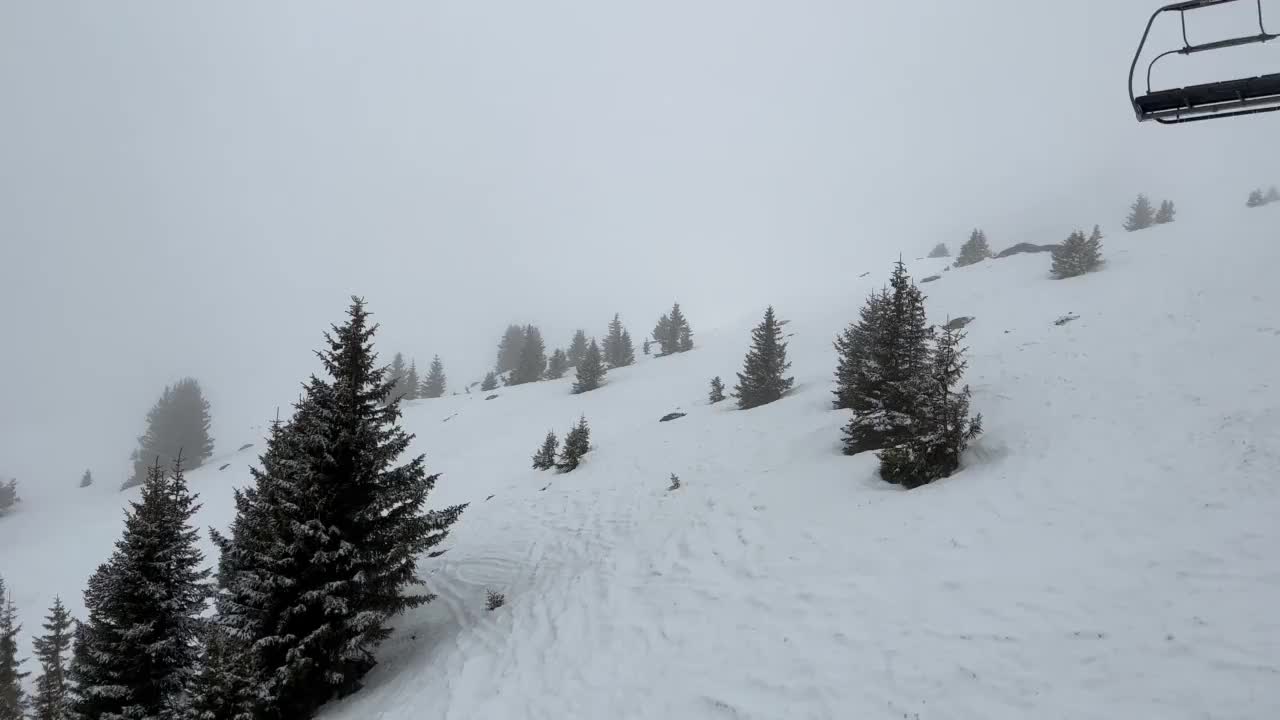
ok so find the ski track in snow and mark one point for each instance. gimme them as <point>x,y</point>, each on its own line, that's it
<point>1109,549</point>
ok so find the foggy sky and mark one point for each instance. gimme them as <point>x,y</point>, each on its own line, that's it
<point>196,188</point>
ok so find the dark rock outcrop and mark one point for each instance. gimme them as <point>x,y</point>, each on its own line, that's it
<point>672,416</point>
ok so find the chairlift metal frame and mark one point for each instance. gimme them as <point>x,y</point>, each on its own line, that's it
<point>1231,98</point>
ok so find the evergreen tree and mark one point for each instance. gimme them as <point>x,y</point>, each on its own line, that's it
<point>399,373</point>
<point>761,380</point>
<point>86,479</point>
<point>940,251</point>
<point>974,250</point>
<point>717,390</point>
<point>558,365</point>
<point>137,652</point>
<point>889,385</point>
<point>545,457</point>
<point>52,700</point>
<point>577,348</point>
<point>662,334</point>
<point>13,700</point>
<point>856,352</point>
<point>1272,195</point>
<point>533,358</point>
<point>8,495</point>
<point>591,370</point>
<point>413,383</point>
<point>681,333</point>
<point>618,350</point>
<point>179,423</point>
<point>490,381</point>
<point>221,689</point>
<point>510,349</point>
<point>1255,199</point>
<point>576,444</point>
<point>942,429</point>
<point>326,540</point>
<point>1141,215</point>
<point>1078,255</point>
<point>433,387</point>
<point>1165,213</point>
<point>646,346</point>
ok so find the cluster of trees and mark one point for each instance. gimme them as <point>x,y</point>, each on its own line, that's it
<point>577,443</point>
<point>8,495</point>
<point>1257,198</point>
<point>178,424</point>
<point>1078,254</point>
<point>673,333</point>
<point>318,557</point>
<point>974,250</point>
<point>1142,215</point>
<point>900,379</point>
<point>408,385</point>
<point>940,251</point>
<point>50,701</point>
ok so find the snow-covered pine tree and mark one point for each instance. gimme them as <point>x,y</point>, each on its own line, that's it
<point>1165,213</point>
<point>398,372</point>
<point>490,381</point>
<point>1255,199</point>
<point>1078,255</point>
<point>762,378</point>
<point>577,348</point>
<point>577,443</point>
<point>890,389</point>
<point>86,479</point>
<point>509,349</point>
<point>855,349</point>
<point>433,387</point>
<point>557,365</point>
<point>940,251</point>
<point>1141,215</point>
<point>412,382</point>
<point>51,701</point>
<point>974,250</point>
<point>626,350</point>
<point>545,457</point>
<point>138,652</point>
<point>681,333</point>
<point>943,427</point>
<point>220,690</point>
<point>618,350</point>
<point>717,390</point>
<point>178,423</point>
<point>8,495</point>
<point>663,335</point>
<point>13,699</point>
<point>327,540</point>
<point>1273,194</point>
<point>533,358</point>
<point>591,370</point>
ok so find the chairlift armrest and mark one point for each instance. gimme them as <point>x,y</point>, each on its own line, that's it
<point>1229,42</point>
<point>1193,5</point>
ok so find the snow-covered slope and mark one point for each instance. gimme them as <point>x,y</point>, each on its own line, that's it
<point>1111,548</point>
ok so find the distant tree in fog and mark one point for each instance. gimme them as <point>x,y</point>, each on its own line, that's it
<point>178,423</point>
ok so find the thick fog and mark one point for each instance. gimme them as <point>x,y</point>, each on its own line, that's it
<point>196,188</point>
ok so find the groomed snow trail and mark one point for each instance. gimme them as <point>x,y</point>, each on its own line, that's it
<point>1108,551</point>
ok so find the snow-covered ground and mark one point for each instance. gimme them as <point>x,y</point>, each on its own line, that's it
<point>1111,548</point>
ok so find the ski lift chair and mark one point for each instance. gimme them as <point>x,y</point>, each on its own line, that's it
<point>1229,98</point>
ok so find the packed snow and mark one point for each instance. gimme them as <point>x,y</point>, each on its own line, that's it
<point>1110,548</point>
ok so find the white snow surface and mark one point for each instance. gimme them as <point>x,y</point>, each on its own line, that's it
<point>1110,549</point>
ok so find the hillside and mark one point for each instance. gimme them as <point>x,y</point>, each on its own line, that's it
<point>1108,550</point>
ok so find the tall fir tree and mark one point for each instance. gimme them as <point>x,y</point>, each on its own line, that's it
<point>136,654</point>
<point>577,443</point>
<point>510,348</point>
<point>327,540</point>
<point>8,495</point>
<point>13,699</point>
<point>434,386</point>
<point>716,393</point>
<point>856,352</point>
<point>889,385</point>
<point>545,457</point>
<point>591,371</point>
<point>974,250</point>
<point>681,333</point>
<point>618,350</point>
<point>413,382</point>
<point>1078,255</point>
<point>1165,213</point>
<point>1255,199</point>
<point>1141,215</point>
<point>533,358</point>
<point>663,335</point>
<point>490,381</point>
<point>557,365</point>
<point>86,479</point>
<point>940,251</point>
<point>399,375</point>
<point>52,699</point>
<point>942,428</point>
<point>577,348</point>
<point>178,423</point>
<point>763,379</point>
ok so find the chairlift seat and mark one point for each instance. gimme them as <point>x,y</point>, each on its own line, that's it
<point>1210,97</point>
